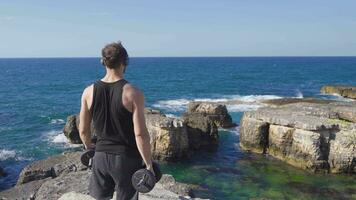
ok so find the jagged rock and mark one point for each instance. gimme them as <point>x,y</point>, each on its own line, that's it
<point>202,132</point>
<point>345,91</point>
<point>71,129</point>
<point>253,134</point>
<point>215,111</point>
<point>342,157</point>
<point>314,136</point>
<point>51,167</point>
<point>2,172</point>
<point>53,189</point>
<point>169,139</point>
<point>23,191</point>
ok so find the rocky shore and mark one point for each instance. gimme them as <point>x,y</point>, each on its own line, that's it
<point>316,135</point>
<point>173,139</point>
<point>64,177</point>
<point>344,91</point>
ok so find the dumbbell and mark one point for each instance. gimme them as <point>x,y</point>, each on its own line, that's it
<point>143,180</point>
<point>87,157</point>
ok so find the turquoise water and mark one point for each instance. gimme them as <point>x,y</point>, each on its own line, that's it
<point>36,95</point>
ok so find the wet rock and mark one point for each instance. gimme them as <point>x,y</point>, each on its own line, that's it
<point>314,136</point>
<point>169,137</point>
<point>202,132</point>
<point>345,91</point>
<point>51,167</point>
<point>214,111</point>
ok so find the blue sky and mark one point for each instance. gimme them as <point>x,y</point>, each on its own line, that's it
<point>178,28</point>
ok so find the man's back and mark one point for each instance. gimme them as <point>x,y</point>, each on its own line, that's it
<point>117,111</point>
<point>112,120</point>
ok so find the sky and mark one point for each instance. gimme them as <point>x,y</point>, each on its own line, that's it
<point>159,28</point>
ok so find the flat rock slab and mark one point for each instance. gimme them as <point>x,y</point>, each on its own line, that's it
<point>316,135</point>
<point>51,167</point>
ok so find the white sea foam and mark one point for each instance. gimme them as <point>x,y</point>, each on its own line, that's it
<point>242,107</point>
<point>171,115</point>
<point>243,103</point>
<point>59,138</point>
<point>172,105</point>
<point>7,154</point>
<point>57,121</point>
<point>299,94</point>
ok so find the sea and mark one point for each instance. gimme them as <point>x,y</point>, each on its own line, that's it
<point>37,95</point>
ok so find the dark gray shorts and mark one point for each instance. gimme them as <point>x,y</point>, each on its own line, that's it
<point>113,172</point>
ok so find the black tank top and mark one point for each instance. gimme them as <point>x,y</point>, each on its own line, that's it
<point>112,121</point>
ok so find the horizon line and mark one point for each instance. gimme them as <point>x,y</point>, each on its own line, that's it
<point>45,57</point>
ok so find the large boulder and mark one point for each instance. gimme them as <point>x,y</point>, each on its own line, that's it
<point>23,191</point>
<point>253,134</point>
<point>71,129</point>
<point>202,131</point>
<point>216,112</point>
<point>169,137</point>
<point>345,91</point>
<point>51,167</point>
<point>318,136</point>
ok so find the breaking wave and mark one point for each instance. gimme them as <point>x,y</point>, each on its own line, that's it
<point>235,103</point>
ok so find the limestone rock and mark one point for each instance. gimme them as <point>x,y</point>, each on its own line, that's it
<point>345,91</point>
<point>318,136</point>
<point>342,157</point>
<point>215,111</point>
<point>23,191</point>
<point>51,167</point>
<point>71,129</point>
<point>53,189</point>
<point>253,134</point>
<point>202,131</point>
<point>169,139</point>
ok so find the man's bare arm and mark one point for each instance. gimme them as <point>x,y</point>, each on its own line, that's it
<point>141,134</point>
<point>85,120</point>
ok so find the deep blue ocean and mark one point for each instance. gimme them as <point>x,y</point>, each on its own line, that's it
<point>37,94</point>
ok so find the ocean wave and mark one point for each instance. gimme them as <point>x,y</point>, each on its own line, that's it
<point>6,154</point>
<point>235,103</point>
<point>58,138</point>
<point>57,121</point>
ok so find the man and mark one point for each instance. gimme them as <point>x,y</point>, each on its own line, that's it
<point>117,111</point>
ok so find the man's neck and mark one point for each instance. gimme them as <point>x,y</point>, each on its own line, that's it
<point>113,75</point>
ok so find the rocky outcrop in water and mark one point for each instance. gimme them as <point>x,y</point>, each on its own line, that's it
<point>63,176</point>
<point>309,135</point>
<point>215,112</point>
<point>169,136</point>
<point>344,91</point>
<point>175,138</point>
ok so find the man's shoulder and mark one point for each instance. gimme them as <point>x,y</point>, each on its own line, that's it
<point>88,90</point>
<point>132,91</point>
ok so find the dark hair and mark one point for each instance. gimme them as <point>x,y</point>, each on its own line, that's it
<point>114,55</point>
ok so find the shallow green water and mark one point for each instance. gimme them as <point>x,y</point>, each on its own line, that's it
<point>230,173</point>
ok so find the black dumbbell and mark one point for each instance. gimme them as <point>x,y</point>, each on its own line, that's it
<point>144,180</point>
<point>87,157</point>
